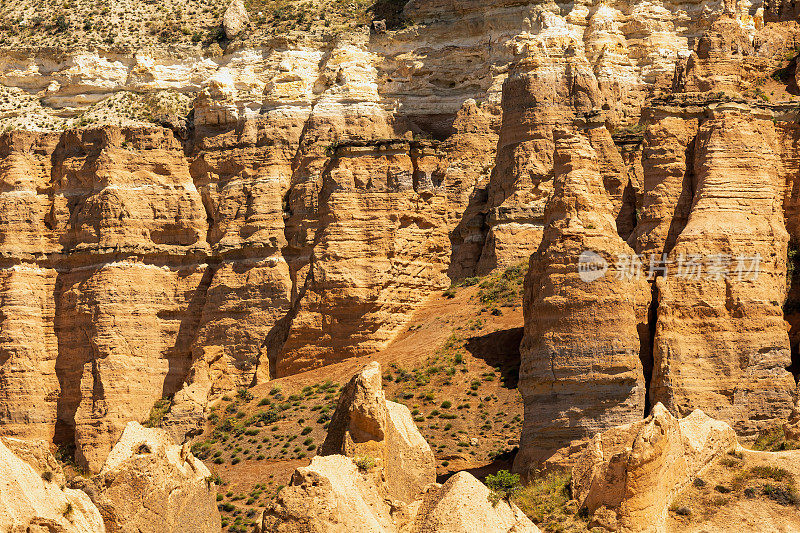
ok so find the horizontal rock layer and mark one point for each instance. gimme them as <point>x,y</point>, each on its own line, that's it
<point>318,196</point>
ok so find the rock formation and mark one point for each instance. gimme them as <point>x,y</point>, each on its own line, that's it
<point>366,425</point>
<point>326,184</point>
<point>580,370</point>
<point>150,484</point>
<point>333,495</point>
<point>463,504</point>
<point>375,472</point>
<point>32,503</point>
<point>720,341</point>
<point>235,19</point>
<point>628,475</point>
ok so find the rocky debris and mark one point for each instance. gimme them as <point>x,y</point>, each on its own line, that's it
<point>29,502</point>
<point>365,424</point>
<point>150,484</point>
<point>235,19</point>
<point>580,367</point>
<point>628,476</point>
<point>462,504</point>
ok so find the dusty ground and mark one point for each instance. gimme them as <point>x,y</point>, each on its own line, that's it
<point>455,366</point>
<point>744,491</point>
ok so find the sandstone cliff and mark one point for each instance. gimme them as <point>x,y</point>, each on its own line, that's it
<point>580,369</point>
<point>323,187</point>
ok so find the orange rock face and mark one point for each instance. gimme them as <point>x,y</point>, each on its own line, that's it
<point>322,195</point>
<point>721,343</point>
<point>580,368</point>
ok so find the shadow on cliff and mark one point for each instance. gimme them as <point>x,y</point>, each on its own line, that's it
<point>501,350</point>
<point>467,239</point>
<point>179,357</point>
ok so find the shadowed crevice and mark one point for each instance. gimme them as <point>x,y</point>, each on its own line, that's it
<point>499,349</point>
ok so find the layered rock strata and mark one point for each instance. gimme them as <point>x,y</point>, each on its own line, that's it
<point>322,191</point>
<point>580,369</point>
<point>721,343</point>
<point>713,214</point>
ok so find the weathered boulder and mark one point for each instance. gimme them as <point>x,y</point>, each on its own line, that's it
<point>30,503</point>
<point>462,504</point>
<point>150,484</point>
<point>580,367</point>
<point>387,483</point>
<point>629,475</point>
<point>333,495</point>
<point>366,424</point>
<point>235,19</point>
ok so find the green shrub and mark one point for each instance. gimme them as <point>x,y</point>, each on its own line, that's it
<point>544,501</point>
<point>157,412</point>
<point>772,472</point>
<point>61,25</point>
<point>365,463</point>
<point>774,440</point>
<point>502,485</point>
<point>244,395</point>
<point>306,430</point>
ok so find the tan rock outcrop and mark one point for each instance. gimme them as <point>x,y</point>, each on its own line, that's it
<point>325,187</point>
<point>148,483</point>
<point>235,19</point>
<point>462,504</point>
<point>332,495</point>
<point>37,454</point>
<point>376,473</point>
<point>716,63</point>
<point>580,369</point>
<point>366,425</point>
<point>629,475</point>
<point>28,502</point>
